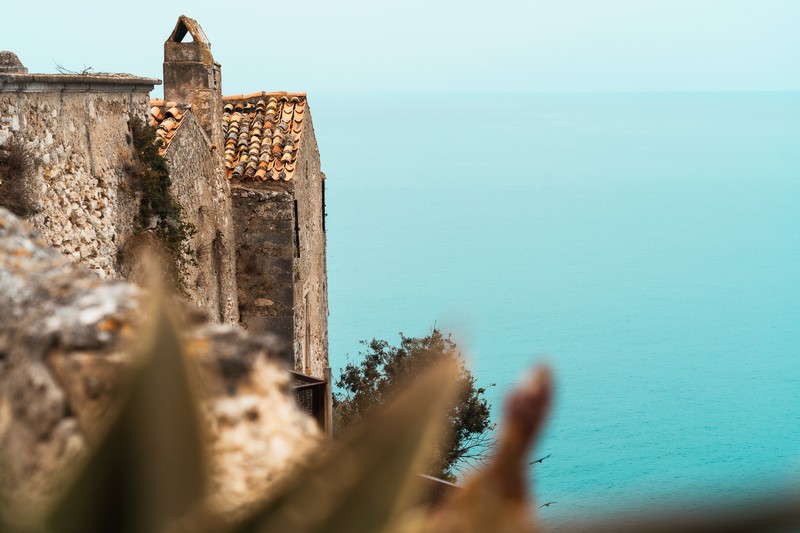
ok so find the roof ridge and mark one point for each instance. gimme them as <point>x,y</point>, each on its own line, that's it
<point>159,102</point>
<point>262,94</point>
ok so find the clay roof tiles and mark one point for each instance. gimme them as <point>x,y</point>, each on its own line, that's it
<point>167,118</point>
<point>261,132</point>
<point>262,135</point>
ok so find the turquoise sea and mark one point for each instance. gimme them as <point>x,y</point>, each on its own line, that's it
<point>646,245</point>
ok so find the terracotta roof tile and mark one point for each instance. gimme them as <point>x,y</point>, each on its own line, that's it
<point>167,118</point>
<point>261,132</point>
<point>262,135</point>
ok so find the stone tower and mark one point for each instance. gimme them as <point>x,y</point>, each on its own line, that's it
<point>191,76</point>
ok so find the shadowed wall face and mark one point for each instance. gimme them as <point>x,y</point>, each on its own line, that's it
<point>277,191</point>
<point>265,244</point>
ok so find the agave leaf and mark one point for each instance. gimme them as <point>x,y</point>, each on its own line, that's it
<point>148,471</point>
<point>370,477</point>
<point>496,499</point>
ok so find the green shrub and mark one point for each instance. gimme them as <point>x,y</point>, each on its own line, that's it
<point>159,212</point>
<point>384,370</point>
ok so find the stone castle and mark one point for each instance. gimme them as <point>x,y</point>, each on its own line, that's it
<point>245,170</point>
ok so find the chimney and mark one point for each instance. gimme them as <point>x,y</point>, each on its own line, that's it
<point>10,64</point>
<point>192,77</point>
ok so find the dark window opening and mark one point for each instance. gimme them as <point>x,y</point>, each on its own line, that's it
<point>310,393</point>
<point>217,251</point>
<point>324,214</point>
<point>296,231</point>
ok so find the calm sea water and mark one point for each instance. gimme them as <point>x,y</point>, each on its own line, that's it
<point>646,245</point>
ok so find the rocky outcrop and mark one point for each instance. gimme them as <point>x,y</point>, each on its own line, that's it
<point>64,339</point>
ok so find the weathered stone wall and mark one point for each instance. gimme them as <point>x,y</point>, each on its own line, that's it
<point>281,267</point>
<point>64,336</point>
<point>78,132</point>
<point>264,223</point>
<point>200,186</point>
<point>76,128</point>
<point>310,269</point>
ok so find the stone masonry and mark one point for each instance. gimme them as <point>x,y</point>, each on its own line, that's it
<point>206,205</point>
<point>191,76</point>
<point>280,230</point>
<point>77,127</point>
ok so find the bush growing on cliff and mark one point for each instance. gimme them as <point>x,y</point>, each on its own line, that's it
<point>386,369</point>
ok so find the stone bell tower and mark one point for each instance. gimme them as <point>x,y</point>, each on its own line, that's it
<point>191,76</point>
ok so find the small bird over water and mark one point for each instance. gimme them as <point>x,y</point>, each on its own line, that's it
<point>548,504</point>
<point>540,459</point>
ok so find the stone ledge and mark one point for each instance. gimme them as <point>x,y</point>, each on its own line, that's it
<point>101,82</point>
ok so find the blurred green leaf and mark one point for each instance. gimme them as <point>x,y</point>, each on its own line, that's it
<point>371,476</point>
<point>148,471</point>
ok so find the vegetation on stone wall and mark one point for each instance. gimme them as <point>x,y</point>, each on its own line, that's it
<point>385,369</point>
<point>159,213</point>
<point>17,165</point>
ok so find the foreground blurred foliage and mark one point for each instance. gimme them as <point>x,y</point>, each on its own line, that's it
<point>146,474</point>
<point>384,370</point>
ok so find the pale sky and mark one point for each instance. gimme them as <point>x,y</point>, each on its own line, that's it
<point>430,45</point>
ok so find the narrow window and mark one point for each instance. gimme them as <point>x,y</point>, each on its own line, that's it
<point>217,251</point>
<point>324,214</point>
<point>296,231</point>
